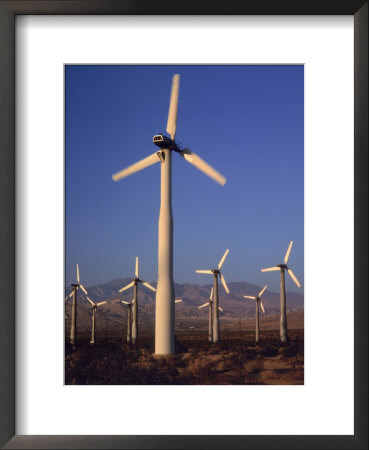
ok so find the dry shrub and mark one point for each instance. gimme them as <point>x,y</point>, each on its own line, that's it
<point>253,366</point>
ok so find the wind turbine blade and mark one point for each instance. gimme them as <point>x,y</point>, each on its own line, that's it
<point>178,300</point>
<point>220,308</point>
<point>249,296</point>
<point>294,278</point>
<point>202,306</point>
<point>262,291</point>
<point>136,269</point>
<point>270,269</point>
<point>148,285</point>
<point>126,287</point>
<point>101,303</point>
<point>288,252</point>
<point>92,303</point>
<point>221,262</point>
<point>262,307</point>
<point>200,164</point>
<point>126,303</point>
<point>211,293</point>
<point>146,162</point>
<point>224,283</point>
<point>204,271</point>
<point>77,274</point>
<point>83,288</point>
<point>173,107</point>
<point>71,294</point>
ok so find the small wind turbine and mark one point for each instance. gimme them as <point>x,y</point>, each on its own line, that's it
<point>216,273</point>
<point>257,302</point>
<point>73,327</point>
<point>210,304</point>
<point>129,320</point>
<point>164,308</point>
<point>66,315</point>
<point>94,308</point>
<point>134,283</point>
<point>281,267</point>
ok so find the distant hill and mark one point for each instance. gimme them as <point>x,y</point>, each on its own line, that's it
<point>233,304</point>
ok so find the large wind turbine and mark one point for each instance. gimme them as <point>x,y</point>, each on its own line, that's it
<point>164,308</point>
<point>257,302</point>
<point>134,283</point>
<point>73,326</point>
<point>94,308</point>
<point>210,304</point>
<point>281,267</point>
<point>216,273</point>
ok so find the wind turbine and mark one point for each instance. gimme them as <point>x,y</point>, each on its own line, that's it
<point>210,304</point>
<point>164,308</point>
<point>129,320</point>
<point>257,302</point>
<point>73,327</point>
<point>281,267</point>
<point>66,315</point>
<point>94,308</point>
<point>134,283</point>
<point>216,273</point>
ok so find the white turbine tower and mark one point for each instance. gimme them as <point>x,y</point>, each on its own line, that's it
<point>164,308</point>
<point>257,302</point>
<point>281,267</point>
<point>210,304</point>
<point>129,320</point>
<point>216,273</point>
<point>134,283</point>
<point>73,326</point>
<point>94,308</point>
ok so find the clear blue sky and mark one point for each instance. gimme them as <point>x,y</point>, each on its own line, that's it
<point>245,121</point>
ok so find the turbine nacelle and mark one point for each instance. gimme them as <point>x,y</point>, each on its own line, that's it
<point>163,141</point>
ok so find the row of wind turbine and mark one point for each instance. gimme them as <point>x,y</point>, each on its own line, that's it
<point>213,304</point>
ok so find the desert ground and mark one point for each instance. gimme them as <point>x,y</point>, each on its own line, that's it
<point>235,359</point>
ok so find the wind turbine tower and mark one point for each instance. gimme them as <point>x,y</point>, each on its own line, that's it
<point>164,308</point>
<point>129,320</point>
<point>216,273</point>
<point>134,283</point>
<point>257,302</point>
<point>282,267</point>
<point>73,326</point>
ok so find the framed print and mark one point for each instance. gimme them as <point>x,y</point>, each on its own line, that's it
<point>70,82</point>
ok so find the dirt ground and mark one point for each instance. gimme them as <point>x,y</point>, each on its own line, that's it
<point>236,359</point>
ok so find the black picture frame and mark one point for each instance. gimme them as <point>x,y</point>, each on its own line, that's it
<point>8,11</point>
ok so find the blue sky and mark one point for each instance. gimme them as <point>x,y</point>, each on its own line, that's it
<point>245,121</point>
